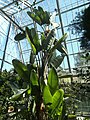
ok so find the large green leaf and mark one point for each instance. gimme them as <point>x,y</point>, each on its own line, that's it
<point>56,61</point>
<point>57,101</point>
<point>52,80</point>
<point>39,12</point>
<point>45,41</point>
<point>35,17</point>
<point>40,16</point>
<point>62,49</point>
<point>58,43</point>
<point>14,87</point>
<point>46,17</point>
<point>32,58</point>
<point>30,40</point>
<point>43,15</point>
<point>47,95</point>
<point>34,78</point>
<point>28,31</point>
<point>52,56</point>
<point>35,38</point>
<point>21,69</point>
<point>20,36</point>
<point>18,94</point>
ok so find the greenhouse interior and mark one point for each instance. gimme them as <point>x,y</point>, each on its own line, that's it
<point>44,59</point>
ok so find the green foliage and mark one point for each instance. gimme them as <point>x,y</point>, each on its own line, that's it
<point>52,80</point>
<point>33,39</point>
<point>20,36</point>
<point>81,25</point>
<point>40,16</point>
<point>62,49</point>
<point>50,95</point>
<point>57,60</point>
<point>58,43</point>
<point>34,17</point>
<point>29,38</point>
<point>46,40</point>
<point>71,116</point>
<point>47,95</point>
<point>57,101</point>
<point>18,94</point>
<point>37,99</point>
<point>34,78</point>
<point>21,69</point>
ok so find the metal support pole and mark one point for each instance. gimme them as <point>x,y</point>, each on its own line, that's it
<point>59,14</point>
<point>11,20</point>
<point>3,59</point>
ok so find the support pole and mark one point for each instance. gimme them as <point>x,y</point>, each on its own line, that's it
<point>59,13</point>
<point>11,20</point>
<point>7,38</point>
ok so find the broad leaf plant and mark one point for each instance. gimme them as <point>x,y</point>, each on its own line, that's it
<point>45,99</point>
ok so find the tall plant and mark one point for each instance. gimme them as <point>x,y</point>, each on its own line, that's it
<point>45,98</point>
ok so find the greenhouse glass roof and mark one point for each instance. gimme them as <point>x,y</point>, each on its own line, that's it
<point>14,18</point>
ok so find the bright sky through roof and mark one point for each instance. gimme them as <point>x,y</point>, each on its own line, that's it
<point>23,19</point>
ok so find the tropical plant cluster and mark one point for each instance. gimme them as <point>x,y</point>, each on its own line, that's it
<point>36,92</point>
<point>33,91</point>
